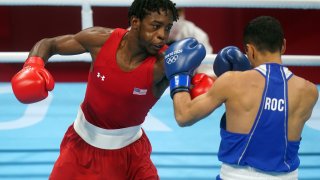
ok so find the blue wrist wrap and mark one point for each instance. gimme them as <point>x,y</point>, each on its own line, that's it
<point>178,83</point>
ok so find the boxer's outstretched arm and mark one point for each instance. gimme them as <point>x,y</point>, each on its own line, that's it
<point>32,83</point>
<point>187,111</point>
<point>87,40</point>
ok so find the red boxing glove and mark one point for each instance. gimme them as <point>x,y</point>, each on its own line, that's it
<point>32,83</point>
<point>201,84</point>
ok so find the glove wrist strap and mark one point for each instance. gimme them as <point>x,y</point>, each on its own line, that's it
<point>179,83</point>
<point>34,60</point>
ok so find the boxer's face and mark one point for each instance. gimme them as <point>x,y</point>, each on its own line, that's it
<point>154,30</point>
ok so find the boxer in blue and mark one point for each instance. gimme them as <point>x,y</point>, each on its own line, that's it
<point>266,107</point>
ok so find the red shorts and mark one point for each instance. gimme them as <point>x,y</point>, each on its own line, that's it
<point>79,160</point>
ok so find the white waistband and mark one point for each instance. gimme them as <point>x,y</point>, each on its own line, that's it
<point>235,172</point>
<point>105,138</point>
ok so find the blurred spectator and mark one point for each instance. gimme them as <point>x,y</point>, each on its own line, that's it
<point>184,28</point>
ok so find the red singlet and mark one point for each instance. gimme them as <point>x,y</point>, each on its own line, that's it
<point>115,98</point>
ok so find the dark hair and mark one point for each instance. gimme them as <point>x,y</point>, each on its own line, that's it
<point>265,33</point>
<point>141,8</point>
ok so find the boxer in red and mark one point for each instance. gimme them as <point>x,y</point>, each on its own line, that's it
<point>126,79</point>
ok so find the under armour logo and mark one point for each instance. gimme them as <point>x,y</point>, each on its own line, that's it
<point>101,76</point>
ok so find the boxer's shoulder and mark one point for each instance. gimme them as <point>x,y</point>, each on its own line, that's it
<point>93,37</point>
<point>99,32</point>
<point>301,84</point>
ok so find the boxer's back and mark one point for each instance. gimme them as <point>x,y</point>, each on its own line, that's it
<point>246,94</point>
<point>302,95</point>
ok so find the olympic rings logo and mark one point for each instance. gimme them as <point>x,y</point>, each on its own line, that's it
<point>172,59</point>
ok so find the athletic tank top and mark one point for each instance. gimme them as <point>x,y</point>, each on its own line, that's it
<point>115,98</point>
<point>266,147</point>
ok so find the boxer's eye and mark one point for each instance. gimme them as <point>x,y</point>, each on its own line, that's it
<point>155,26</point>
<point>168,28</point>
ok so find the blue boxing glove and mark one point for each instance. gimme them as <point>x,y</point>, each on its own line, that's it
<point>181,59</point>
<point>230,58</point>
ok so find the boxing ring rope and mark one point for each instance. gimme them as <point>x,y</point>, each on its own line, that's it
<point>292,4</point>
<point>87,21</point>
<point>87,17</point>
<point>17,57</point>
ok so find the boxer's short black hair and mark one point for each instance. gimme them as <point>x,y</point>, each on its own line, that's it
<point>141,8</point>
<point>265,32</point>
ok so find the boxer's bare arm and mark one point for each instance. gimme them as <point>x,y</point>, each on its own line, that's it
<point>188,112</point>
<point>88,40</point>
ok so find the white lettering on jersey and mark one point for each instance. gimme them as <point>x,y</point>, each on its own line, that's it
<point>274,104</point>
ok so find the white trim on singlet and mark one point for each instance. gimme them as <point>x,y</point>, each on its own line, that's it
<point>105,138</point>
<point>285,114</point>
<point>235,172</point>
<point>256,124</point>
<point>263,70</point>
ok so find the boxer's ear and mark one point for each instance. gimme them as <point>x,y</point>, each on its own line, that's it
<point>284,46</point>
<point>135,23</point>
